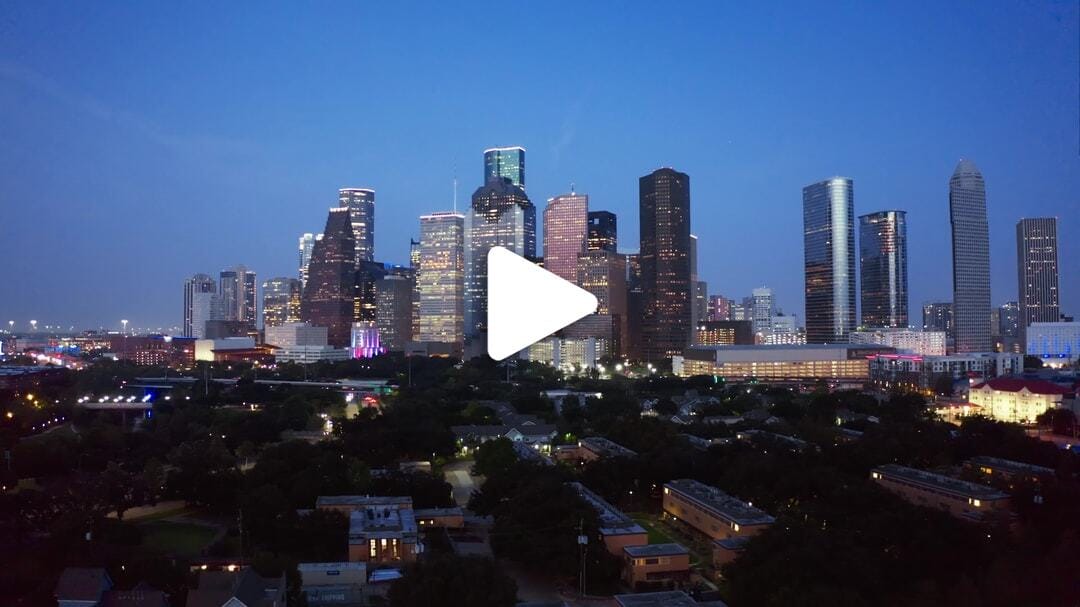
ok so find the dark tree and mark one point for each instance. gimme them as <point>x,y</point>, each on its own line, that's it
<point>447,580</point>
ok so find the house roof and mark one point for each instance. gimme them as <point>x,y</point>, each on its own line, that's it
<point>82,584</point>
<point>1016,384</point>
<point>217,587</point>
<point>142,595</point>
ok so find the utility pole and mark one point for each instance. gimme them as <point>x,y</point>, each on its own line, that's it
<point>583,541</point>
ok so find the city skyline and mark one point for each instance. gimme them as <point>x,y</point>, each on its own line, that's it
<point>249,175</point>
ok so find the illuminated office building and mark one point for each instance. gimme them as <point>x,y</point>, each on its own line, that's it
<point>971,259</point>
<point>329,297</point>
<point>829,256</point>
<point>883,269</point>
<point>237,295</point>
<point>501,215</point>
<point>603,231</point>
<point>197,290</point>
<point>307,244</point>
<point>667,292</point>
<point>394,293</point>
<point>440,278</point>
<point>281,301</point>
<point>565,233</point>
<point>938,316</point>
<point>603,274</point>
<point>505,163</point>
<point>1037,271</point>
<point>361,205</point>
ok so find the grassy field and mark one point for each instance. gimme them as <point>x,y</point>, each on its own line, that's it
<point>660,534</point>
<point>176,538</point>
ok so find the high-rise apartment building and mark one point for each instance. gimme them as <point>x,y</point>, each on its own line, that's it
<point>505,163</point>
<point>565,234</point>
<point>667,291</point>
<point>394,293</point>
<point>938,316</point>
<point>361,205</point>
<point>603,231</point>
<point>237,295</point>
<point>501,215</point>
<point>883,269</point>
<point>281,301</point>
<point>1009,319</point>
<point>1037,271</point>
<point>719,308</point>
<point>764,308</point>
<point>329,297</point>
<point>635,306</point>
<point>307,244</point>
<point>971,259</point>
<point>829,255</point>
<point>441,278</point>
<point>196,292</point>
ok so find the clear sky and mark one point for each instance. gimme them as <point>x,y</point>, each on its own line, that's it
<point>142,142</point>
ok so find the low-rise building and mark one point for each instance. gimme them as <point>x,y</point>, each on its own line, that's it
<point>655,566</point>
<point>962,499</point>
<point>295,334</point>
<point>669,598</point>
<point>333,584</point>
<point>1015,399</point>
<point>470,437</point>
<point>728,549</point>
<point>915,372</point>
<point>761,438</point>
<point>617,529</point>
<point>307,355</point>
<point>1056,343</point>
<point>532,453</point>
<point>711,511</point>
<point>452,517</point>
<point>912,341</point>
<point>382,534</point>
<point>349,503</point>
<point>837,363</point>
<point>1007,469</point>
<point>234,588</point>
<point>591,449</point>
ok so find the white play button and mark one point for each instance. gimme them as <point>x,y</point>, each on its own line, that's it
<point>527,303</point>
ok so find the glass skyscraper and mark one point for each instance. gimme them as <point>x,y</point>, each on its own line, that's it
<point>666,283</point>
<point>501,215</point>
<point>829,256</point>
<point>440,278</point>
<point>328,299</point>
<point>199,294</point>
<point>1037,271</point>
<point>505,163</point>
<point>938,316</point>
<point>361,205</point>
<point>603,231</point>
<point>883,269</point>
<point>306,245</point>
<point>565,234</point>
<point>281,301</point>
<point>971,259</point>
<point>237,295</point>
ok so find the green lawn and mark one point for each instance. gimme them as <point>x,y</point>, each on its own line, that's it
<point>176,539</point>
<point>656,534</point>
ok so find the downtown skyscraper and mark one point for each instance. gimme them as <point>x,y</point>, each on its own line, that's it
<point>603,231</point>
<point>667,292</point>
<point>281,301</point>
<point>237,295</point>
<point>361,205</point>
<point>1037,271</point>
<point>306,246</point>
<point>565,234</point>
<point>505,163</point>
<point>883,269</point>
<point>200,301</point>
<point>971,259</point>
<point>440,279</point>
<point>829,257</point>
<point>501,215</point>
<point>328,299</point>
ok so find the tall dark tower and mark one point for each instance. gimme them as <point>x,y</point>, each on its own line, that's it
<point>665,263</point>
<point>971,259</point>
<point>1037,271</point>
<point>883,269</point>
<point>603,231</point>
<point>829,259</point>
<point>329,297</point>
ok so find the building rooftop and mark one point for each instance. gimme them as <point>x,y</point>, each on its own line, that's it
<point>612,521</point>
<point>362,501</point>
<point>1017,384</point>
<point>1010,466</point>
<point>434,512</point>
<point>342,565</point>
<point>719,503</point>
<point>735,544</point>
<point>380,522</point>
<point>671,598</point>
<point>647,550</point>
<point>604,447</point>
<point>790,441</point>
<point>529,454</point>
<point>82,584</point>
<point>940,482</point>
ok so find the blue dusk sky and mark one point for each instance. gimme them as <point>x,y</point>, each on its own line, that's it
<point>142,142</point>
